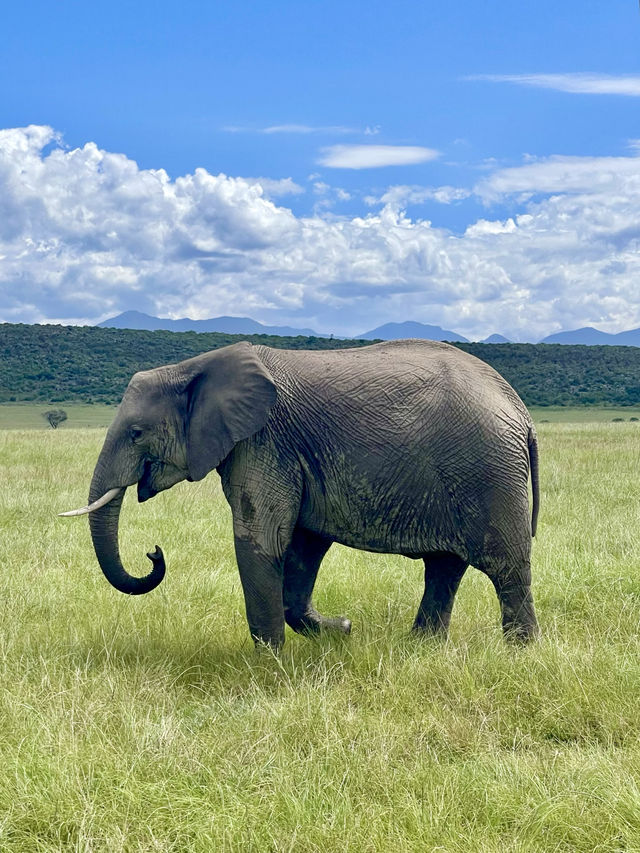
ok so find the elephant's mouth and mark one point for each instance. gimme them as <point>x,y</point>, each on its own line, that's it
<point>156,477</point>
<point>146,489</point>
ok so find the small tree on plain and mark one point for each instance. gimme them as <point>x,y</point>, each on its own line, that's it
<point>55,417</point>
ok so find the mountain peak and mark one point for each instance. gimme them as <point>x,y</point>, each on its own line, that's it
<point>496,339</point>
<point>411,329</point>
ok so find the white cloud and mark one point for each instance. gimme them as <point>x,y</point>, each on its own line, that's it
<point>374,156</point>
<point>562,175</point>
<point>85,234</point>
<point>578,83</point>
<point>484,227</point>
<point>276,188</point>
<point>400,196</point>
<point>328,196</point>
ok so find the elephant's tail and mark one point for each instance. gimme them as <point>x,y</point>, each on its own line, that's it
<point>535,483</point>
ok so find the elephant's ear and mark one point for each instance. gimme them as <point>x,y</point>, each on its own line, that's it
<point>229,396</point>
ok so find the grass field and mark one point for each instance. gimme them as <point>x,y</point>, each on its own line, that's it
<point>583,414</point>
<point>79,415</point>
<point>30,415</point>
<point>149,724</point>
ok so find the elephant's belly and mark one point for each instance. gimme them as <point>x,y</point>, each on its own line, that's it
<point>415,546</point>
<point>473,519</point>
<point>398,524</point>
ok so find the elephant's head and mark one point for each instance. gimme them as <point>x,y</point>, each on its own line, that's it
<point>174,423</point>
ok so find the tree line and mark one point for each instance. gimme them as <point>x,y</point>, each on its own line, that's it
<point>47,363</point>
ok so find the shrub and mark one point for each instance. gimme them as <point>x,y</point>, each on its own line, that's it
<point>55,417</point>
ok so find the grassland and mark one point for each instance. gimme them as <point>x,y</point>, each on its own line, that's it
<point>149,724</point>
<point>30,415</point>
<point>583,414</point>
<point>79,415</point>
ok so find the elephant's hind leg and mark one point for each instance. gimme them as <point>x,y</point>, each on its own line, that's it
<point>442,575</point>
<point>513,587</point>
<point>301,564</point>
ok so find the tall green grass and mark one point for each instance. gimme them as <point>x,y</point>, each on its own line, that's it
<point>149,724</point>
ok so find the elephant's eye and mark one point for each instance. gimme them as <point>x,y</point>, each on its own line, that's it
<point>135,433</point>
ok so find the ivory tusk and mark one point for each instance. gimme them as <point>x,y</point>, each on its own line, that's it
<point>108,496</point>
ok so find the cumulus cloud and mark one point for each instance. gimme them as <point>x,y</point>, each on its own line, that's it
<point>86,233</point>
<point>91,222</point>
<point>374,156</point>
<point>577,83</point>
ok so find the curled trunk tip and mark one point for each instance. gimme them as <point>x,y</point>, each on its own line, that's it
<point>104,534</point>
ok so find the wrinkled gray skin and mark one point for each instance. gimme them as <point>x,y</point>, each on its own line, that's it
<point>405,447</point>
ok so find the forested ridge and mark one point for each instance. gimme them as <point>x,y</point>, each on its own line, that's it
<point>48,363</point>
<point>566,375</point>
<point>90,364</point>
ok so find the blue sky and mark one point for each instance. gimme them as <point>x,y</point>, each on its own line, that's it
<point>333,165</point>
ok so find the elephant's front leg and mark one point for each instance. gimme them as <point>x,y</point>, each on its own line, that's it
<point>263,486</point>
<point>301,565</point>
<point>261,577</point>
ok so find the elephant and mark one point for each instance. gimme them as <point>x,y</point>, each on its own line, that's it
<point>409,447</point>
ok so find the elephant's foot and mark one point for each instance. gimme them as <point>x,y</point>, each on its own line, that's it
<point>268,638</point>
<point>268,647</point>
<point>519,623</point>
<point>313,622</point>
<point>430,628</point>
<point>521,633</point>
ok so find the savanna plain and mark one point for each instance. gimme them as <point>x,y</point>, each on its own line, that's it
<point>150,724</point>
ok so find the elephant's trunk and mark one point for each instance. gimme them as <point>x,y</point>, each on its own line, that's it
<point>104,534</point>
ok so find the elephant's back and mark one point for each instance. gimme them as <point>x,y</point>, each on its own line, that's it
<point>401,410</point>
<point>374,359</point>
<point>396,374</point>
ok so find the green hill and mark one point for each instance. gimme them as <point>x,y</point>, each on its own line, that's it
<point>90,364</point>
<point>93,365</point>
<point>565,375</point>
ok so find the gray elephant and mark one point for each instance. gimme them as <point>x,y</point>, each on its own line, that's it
<point>406,447</point>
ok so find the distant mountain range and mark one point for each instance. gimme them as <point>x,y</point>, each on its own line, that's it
<point>591,337</point>
<point>247,326</point>
<point>389,331</point>
<point>228,325</point>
